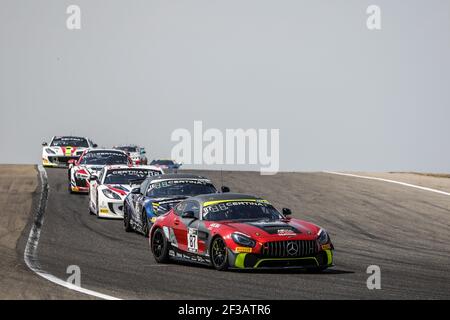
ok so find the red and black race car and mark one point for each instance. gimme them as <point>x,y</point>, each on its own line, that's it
<point>229,230</point>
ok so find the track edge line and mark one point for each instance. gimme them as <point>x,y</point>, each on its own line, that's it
<point>389,181</point>
<point>30,252</point>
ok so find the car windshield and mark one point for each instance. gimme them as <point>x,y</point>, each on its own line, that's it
<point>69,142</point>
<point>163,162</point>
<point>127,149</point>
<point>251,209</point>
<point>180,188</point>
<point>104,158</point>
<point>125,176</point>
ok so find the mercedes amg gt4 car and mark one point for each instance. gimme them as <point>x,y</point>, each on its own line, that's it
<point>108,191</point>
<point>239,231</point>
<point>159,194</point>
<point>91,162</point>
<point>61,150</point>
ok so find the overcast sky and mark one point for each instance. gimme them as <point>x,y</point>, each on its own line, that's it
<point>343,97</point>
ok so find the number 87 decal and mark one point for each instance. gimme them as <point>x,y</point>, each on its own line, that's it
<point>192,239</point>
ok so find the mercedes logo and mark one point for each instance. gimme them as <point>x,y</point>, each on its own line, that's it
<point>292,248</point>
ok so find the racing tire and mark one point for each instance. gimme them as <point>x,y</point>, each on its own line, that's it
<point>160,246</point>
<point>70,189</point>
<point>219,254</point>
<point>126,220</point>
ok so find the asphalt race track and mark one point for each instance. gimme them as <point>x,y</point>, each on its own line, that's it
<point>406,232</point>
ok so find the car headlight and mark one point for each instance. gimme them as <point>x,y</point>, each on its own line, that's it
<point>49,151</point>
<point>109,194</point>
<point>323,237</point>
<point>243,240</point>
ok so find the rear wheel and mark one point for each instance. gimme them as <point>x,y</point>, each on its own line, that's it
<point>160,246</point>
<point>126,220</point>
<point>219,254</point>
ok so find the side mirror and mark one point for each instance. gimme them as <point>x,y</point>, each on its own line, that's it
<point>136,191</point>
<point>225,189</point>
<point>93,178</point>
<point>188,214</point>
<point>44,144</point>
<point>72,161</point>
<point>287,211</point>
<point>95,145</point>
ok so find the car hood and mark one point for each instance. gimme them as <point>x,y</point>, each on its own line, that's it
<point>67,151</point>
<point>120,189</point>
<point>91,169</point>
<point>274,230</point>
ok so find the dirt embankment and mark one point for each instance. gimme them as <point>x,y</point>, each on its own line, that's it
<point>19,189</point>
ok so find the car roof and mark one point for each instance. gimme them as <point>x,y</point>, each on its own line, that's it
<point>223,196</point>
<point>177,176</point>
<point>76,137</point>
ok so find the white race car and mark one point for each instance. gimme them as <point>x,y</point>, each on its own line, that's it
<point>90,163</point>
<point>109,189</point>
<point>64,148</point>
<point>136,153</point>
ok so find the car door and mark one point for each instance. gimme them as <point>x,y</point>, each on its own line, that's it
<point>186,229</point>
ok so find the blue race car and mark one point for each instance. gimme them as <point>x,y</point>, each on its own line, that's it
<point>169,166</point>
<point>158,194</point>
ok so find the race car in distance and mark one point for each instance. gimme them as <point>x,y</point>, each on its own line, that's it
<point>169,166</point>
<point>90,163</point>
<point>136,153</point>
<point>64,148</point>
<point>108,190</point>
<point>239,231</point>
<point>157,195</point>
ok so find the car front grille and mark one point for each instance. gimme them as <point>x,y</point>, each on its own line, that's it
<point>62,160</point>
<point>289,248</point>
<point>81,182</point>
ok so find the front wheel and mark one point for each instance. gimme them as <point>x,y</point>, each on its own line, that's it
<point>219,254</point>
<point>160,246</point>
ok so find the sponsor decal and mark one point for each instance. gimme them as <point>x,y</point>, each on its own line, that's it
<point>214,226</point>
<point>162,184</point>
<point>326,246</point>
<point>243,250</point>
<point>219,205</point>
<point>103,210</point>
<point>286,232</point>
